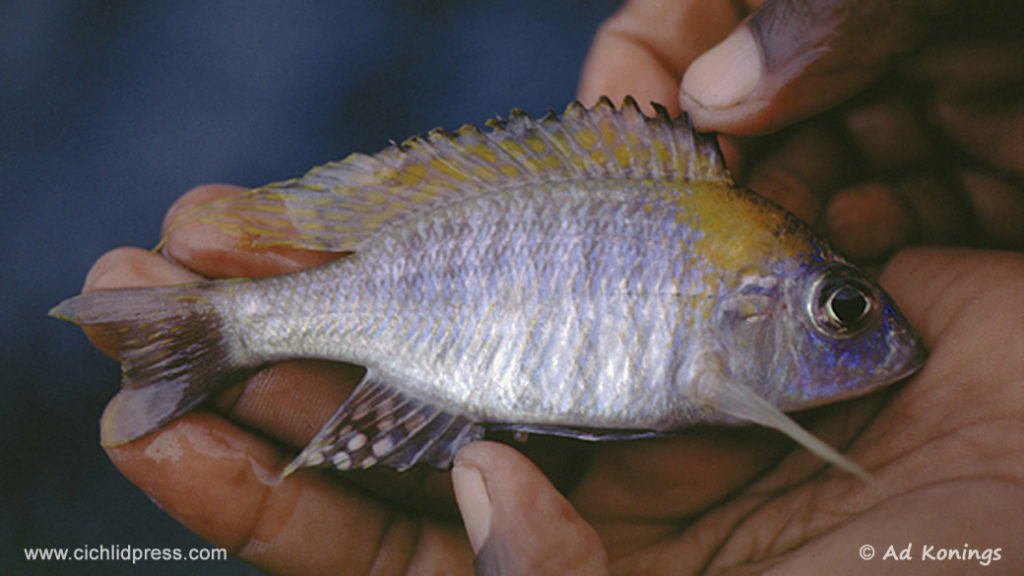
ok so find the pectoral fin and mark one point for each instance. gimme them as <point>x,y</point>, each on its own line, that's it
<point>740,401</point>
<point>379,425</point>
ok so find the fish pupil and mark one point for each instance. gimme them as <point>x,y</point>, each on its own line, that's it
<point>844,302</point>
<point>848,306</point>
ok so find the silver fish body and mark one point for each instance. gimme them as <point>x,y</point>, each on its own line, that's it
<point>614,295</point>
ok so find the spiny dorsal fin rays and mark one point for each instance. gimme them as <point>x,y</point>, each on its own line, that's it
<point>335,206</point>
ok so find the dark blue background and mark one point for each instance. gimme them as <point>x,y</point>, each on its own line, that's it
<point>111,110</point>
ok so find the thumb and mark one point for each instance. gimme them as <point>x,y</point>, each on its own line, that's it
<point>792,58</point>
<point>517,522</point>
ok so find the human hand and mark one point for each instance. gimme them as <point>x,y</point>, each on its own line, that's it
<point>892,122</point>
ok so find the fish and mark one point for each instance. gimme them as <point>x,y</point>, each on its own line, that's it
<point>595,275</point>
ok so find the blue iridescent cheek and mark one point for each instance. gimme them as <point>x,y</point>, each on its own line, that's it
<point>845,365</point>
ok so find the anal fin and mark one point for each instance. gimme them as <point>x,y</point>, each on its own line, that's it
<point>379,425</point>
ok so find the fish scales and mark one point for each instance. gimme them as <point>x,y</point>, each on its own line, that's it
<point>595,275</point>
<point>496,323</point>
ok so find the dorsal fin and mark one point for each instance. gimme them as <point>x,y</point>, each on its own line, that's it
<point>335,206</point>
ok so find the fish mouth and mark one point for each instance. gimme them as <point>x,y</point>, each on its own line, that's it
<point>913,365</point>
<point>908,355</point>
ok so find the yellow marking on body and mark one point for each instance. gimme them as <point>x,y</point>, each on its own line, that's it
<point>418,169</point>
<point>609,131</point>
<point>446,167</point>
<point>336,216</point>
<point>536,143</point>
<point>420,197</point>
<point>622,156</point>
<point>343,229</point>
<point>386,173</point>
<point>364,208</point>
<point>483,152</point>
<point>323,201</point>
<point>509,170</point>
<point>372,221</point>
<point>407,178</point>
<point>254,231</point>
<point>484,172</point>
<point>515,149</point>
<point>273,208</point>
<point>374,197</point>
<point>738,230</point>
<point>661,153</point>
<point>585,137</point>
<point>273,196</point>
<point>534,165</point>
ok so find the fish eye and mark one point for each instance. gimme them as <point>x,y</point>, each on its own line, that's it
<point>844,303</point>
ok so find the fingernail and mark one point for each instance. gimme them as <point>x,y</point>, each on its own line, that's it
<point>474,503</point>
<point>727,74</point>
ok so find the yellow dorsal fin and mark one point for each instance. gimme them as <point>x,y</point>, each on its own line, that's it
<point>335,206</point>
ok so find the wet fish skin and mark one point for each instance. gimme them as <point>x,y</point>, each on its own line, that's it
<point>596,275</point>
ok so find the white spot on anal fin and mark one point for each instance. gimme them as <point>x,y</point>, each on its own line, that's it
<point>341,460</point>
<point>313,459</point>
<point>382,447</point>
<point>356,442</point>
<point>414,422</point>
<point>361,410</point>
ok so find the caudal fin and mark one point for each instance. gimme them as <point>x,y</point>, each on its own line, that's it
<point>172,348</point>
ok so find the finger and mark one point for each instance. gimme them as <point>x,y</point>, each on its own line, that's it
<point>867,221</point>
<point>967,392</point>
<point>644,48</point>
<point>660,481</point>
<point>887,133</point>
<point>214,253</point>
<point>939,288</point>
<point>224,484</point>
<point>802,169</point>
<point>986,56</point>
<point>129,268</point>
<point>792,59</point>
<point>990,128</point>
<point>516,521</point>
<point>998,206</point>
